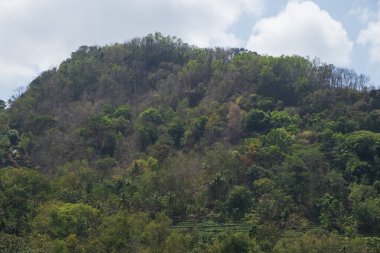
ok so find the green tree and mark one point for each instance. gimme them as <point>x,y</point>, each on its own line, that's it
<point>123,111</point>
<point>238,243</point>
<point>195,130</point>
<point>20,192</point>
<point>59,220</point>
<point>12,244</point>
<point>123,232</point>
<point>282,119</point>
<point>148,123</point>
<point>271,203</point>
<point>156,233</point>
<point>238,202</point>
<point>3,105</point>
<point>365,203</point>
<point>313,243</point>
<point>176,131</point>
<point>256,120</point>
<point>332,213</point>
<point>175,243</point>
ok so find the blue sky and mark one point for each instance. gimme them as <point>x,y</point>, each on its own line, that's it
<point>36,35</point>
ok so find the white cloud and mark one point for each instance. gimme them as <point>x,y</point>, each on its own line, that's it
<point>302,28</point>
<point>253,7</point>
<point>13,77</point>
<point>38,34</point>
<point>363,14</point>
<point>370,36</point>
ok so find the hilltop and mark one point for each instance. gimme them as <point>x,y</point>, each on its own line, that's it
<point>154,145</point>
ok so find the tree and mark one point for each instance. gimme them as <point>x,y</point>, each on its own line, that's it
<point>20,192</point>
<point>332,213</point>
<point>282,119</point>
<point>175,243</point>
<point>238,243</point>
<point>123,111</point>
<point>314,243</point>
<point>363,155</point>
<point>60,220</point>
<point>234,118</point>
<point>3,105</point>
<point>151,116</point>
<point>366,208</point>
<point>157,232</point>
<point>278,137</point>
<point>195,130</point>
<point>238,202</point>
<point>148,123</point>
<point>271,203</point>
<point>176,131</point>
<point>12,244</point>
<point>123,232</point>
<point>256,120</point>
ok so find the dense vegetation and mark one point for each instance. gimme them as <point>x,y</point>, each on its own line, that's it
<point>157,146</point>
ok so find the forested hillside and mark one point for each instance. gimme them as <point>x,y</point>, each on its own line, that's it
<point>157,146</point>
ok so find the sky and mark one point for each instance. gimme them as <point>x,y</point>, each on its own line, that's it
<point>37,35</point>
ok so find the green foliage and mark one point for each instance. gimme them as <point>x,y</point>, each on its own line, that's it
<point>157,146</point>
<point>148,135</point>
<point>271,202</point>
<point>332,212</point>
<point>142,166</point>
<point>12,244</point>
<point>13,136</point>
<point>149,121</point>
<point>282,119</point>
<point>175,243</point>
<point>237,242</point>
<point>284,78</point>
<point>309,243</point>
<point>343,125</point>
<point>256,120</point>
<point>123,111</point>
<point>365,144</point>
<point>238,202</point>
<point>3,104</point>
<point>278,137</point>
<point>360,155</point>
<point>60,220</point>
<point>20,192</point>
<point>74,182</point>
<point>176,131</point>
<point>151,116</point>
<point>105,163</point>
<point>195,130</point>
<point>134,233</point>
<point>373,121</point>
<point>365,202</point>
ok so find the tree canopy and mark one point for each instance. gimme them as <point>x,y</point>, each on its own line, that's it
<point>154,145</point>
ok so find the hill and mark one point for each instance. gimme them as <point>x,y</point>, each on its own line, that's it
<point>157,146</point>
